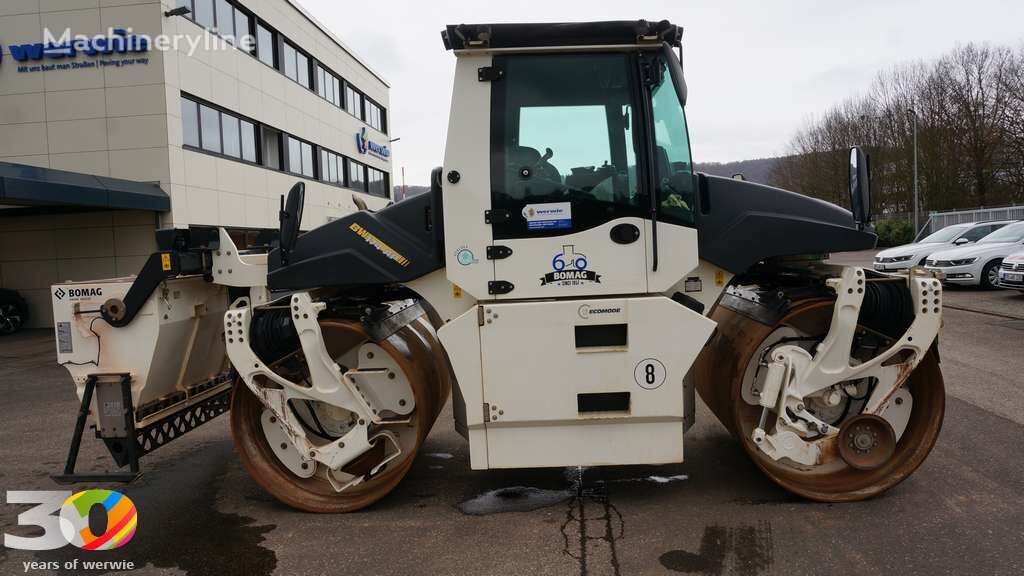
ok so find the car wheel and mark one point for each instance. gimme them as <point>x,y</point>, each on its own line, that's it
<point>13,312</point>
<point>990,275</point>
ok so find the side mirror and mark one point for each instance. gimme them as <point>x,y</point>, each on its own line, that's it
<point>290,218</point>
<point>860,187</point>
<point>961,241</point>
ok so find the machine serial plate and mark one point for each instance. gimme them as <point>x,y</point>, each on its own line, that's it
<point>64,338</point>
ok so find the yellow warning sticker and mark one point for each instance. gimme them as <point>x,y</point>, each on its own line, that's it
<point>719,278</point>
<point>456,291</point>
<point>165,262</point>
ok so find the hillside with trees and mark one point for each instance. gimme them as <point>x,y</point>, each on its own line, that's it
<point>970,110</point>
<point>757,170</point>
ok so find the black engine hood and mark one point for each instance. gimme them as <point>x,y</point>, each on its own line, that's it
<point>742,223</point>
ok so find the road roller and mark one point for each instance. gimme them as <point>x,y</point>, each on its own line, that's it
<point>569,282</point>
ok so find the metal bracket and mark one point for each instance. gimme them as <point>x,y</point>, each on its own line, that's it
<point>500,287</point>
<point>498,252</point>
<point>496,216</point>
<point>795,374</point>
<point>69,476</point>
<point>489,73</point>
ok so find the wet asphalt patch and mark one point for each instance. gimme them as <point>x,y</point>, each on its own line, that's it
<point>747,549</point>
<point>187,533</point>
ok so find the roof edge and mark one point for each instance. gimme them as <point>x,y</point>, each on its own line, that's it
<point>560,34</point>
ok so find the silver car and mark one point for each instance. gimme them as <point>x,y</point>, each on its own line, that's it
<point>914,254</point>
<point>1011,271</point>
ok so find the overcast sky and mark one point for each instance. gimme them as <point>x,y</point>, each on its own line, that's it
<point>756,70</point>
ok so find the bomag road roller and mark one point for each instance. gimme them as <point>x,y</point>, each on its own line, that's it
<point>569,281</point>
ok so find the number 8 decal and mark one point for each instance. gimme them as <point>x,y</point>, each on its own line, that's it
<point>649,373</point>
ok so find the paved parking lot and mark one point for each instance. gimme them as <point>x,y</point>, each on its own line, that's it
<point>199,513</point>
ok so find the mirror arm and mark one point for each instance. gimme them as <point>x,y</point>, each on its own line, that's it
<point>647,114</point>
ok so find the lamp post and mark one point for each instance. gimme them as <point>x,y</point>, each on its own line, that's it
<point>917,219</point>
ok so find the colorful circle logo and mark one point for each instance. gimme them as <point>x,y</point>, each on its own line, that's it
<point>121,519</point>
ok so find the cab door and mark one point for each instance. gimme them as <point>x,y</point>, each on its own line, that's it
<point>567,205</point>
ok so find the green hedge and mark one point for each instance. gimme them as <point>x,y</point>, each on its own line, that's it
<point>894,232</point>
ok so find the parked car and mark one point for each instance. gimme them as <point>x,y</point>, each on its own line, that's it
<point>13,311</point>
<point>914,254</point>
<point>1011,273</point>
<point>978,264</point>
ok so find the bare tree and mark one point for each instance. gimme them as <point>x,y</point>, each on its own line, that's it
<point>970,111</point>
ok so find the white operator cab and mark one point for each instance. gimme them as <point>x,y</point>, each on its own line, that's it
<point>569,216</point>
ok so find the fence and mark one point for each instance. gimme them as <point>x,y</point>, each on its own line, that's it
<point>939,220</point>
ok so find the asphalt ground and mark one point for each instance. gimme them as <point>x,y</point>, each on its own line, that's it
<point>201,514</point>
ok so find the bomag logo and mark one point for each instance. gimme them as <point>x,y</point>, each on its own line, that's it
<point>60,293</point>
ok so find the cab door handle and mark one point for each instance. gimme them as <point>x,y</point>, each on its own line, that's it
<point>625,234</point>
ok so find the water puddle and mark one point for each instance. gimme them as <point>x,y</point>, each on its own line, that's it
<point>513,499</point>
<point>667,479</point>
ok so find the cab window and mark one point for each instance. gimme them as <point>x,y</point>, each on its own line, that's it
<point>563,143</point>
<point>673,168</point>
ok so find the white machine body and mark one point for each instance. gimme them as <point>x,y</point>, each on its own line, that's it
<point>591,382</point>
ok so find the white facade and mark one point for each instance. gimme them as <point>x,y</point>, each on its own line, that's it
<point>126,122</point>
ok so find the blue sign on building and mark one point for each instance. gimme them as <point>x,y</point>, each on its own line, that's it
<point>365,145</point>
<point>117,41</point>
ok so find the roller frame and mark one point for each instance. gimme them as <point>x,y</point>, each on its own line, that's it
<point>328,384</point>
<point>794,374</point>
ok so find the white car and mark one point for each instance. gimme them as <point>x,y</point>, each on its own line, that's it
<point>1011,273</point>
<point>909,255</point>
<point>978,264</point>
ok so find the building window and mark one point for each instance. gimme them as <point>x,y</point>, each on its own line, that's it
<point>331,167</point>
<point>375,116</point>
<point>302,65</point>
<point>190,122</point>
<point>209,124</point>
<point>356,176</point>
<point>296,65</point>
<point>202,13</point>
<point>271,141</point>
<point>289,61</point>
<point>225,24</point>
<point>231,136</point>
<point>205,127</point>
<point>353,101</point>
<point>265,46</point>
<point>378,182</point>
<point>223,18</point>
<point>248,133</point>
<point>216,131</point>
<point>300,157</point>
<point>328,86</point>
<point>243,31</point>
<point>230,21</point>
